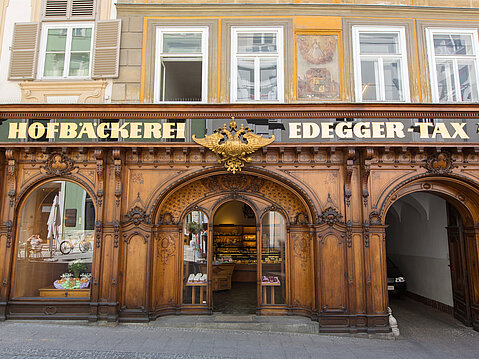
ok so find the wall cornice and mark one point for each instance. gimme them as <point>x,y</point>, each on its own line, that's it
<point>349,10</point>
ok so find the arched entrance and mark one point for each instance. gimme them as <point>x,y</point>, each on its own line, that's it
<point>235,259</point>
<point>254,213</point>
<point>431,246</point>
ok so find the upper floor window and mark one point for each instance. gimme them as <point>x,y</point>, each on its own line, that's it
<point>453,61</point>
<point>380,64</point>
<point>257,64</point>
<point>66,51</point>
<point>181,65</point>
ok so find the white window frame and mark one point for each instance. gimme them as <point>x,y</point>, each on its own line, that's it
<point>380,89</point>
<point>43,46</point>
<point>432,59</point>
<point>234,63</point>
<point>160,30</point>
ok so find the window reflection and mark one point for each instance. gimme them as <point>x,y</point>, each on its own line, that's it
<point>195,233</point>
<point>55,242</point>
<point>273,282</point>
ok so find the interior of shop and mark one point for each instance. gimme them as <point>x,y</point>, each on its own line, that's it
<point>234,259</point>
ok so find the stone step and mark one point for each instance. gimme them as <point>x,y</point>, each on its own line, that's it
<point>282,324</point>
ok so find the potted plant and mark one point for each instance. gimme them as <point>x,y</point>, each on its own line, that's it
<point>76,267</point>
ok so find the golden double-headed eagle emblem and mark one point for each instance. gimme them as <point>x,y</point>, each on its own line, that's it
<point>233,145</point>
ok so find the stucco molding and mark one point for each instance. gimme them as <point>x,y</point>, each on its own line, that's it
<point>85,91</point>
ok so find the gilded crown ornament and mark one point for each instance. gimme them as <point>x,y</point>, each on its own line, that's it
<point>233,146</point>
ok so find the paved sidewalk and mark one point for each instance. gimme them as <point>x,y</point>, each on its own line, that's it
<point>426,333</point>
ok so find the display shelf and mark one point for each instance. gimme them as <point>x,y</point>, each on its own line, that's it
<point>235,243</point>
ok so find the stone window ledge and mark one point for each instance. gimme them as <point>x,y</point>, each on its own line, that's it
<point>63,91</point>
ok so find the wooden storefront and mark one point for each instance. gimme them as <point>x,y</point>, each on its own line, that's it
<point>333,197</point>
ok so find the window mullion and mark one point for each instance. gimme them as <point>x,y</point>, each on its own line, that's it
<point>257,79</point>
<point>66,67</point>
<point>457,81</point>
<point>381,86</point>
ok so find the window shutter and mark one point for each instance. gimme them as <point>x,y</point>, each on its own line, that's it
<point>56,8</point>
<point>24,48</point>
<point>82,8</point>
<point>69,9</point>
<point>106,50</point>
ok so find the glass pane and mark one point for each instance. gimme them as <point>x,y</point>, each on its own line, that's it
<point>446,81</point>
<point>273,282</point>
<point>379,43</point>
<point>56,40</point>
<point>79,64</point>
<point>257,42</point>
<point>245,79</point>
<point>182,43</point>
<point>392,80</point>
<point>195,233</point>
<point>447,44</point>
<point>81,39</point>
<point>55,242</point>
<point>54,64</point>
<point>269,79</point>
<point>369,76</point>
<point>468,80</point>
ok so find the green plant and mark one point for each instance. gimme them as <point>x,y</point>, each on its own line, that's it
<point>193,227</point>
<point>76,267</point>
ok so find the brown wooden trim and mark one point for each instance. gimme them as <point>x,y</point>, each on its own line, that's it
<point>242,111</point>
<point>431,302</point>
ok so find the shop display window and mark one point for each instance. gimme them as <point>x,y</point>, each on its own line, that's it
<point>54,248</point>
<point>195,238</point>
<point>273,257</point>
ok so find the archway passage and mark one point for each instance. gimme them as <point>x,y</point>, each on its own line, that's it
<point>234,267</point>
<point>427,257</point>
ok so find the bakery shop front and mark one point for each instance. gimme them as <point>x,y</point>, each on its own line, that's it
<point>130,213</point>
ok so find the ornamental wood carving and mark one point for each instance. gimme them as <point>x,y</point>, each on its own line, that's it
<point>11,176</point>
<point>301,247</point>
<point>166,248</point>
<point>439,163</point>
<point>184,197</point>
<point>58,164</point>
<point>232,146</point>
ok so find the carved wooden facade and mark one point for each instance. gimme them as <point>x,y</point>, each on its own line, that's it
<point>334,200</point>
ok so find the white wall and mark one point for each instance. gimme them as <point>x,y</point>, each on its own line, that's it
<point>17,11</point>
<point>416,241</point>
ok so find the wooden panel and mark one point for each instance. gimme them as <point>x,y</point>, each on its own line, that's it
<point>332,273</point>
<point>378,274</point>
<point>166,274</point>
<point>135,280</point>
<point>301,274</point>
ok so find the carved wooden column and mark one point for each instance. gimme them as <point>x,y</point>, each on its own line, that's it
<point>353,201</point>
<point>374,254</point>
<point>108,190</point>
<point>7,224</point>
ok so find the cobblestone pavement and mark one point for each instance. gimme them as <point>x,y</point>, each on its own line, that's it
<point>425,333</point>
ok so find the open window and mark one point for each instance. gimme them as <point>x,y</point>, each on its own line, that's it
<point>181,65</point>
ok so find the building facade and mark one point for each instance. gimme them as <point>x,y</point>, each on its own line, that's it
<point>155,153</point>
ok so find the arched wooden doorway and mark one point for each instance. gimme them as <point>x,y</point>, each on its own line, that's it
<point>207,194</point>
<point>462,200</point>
